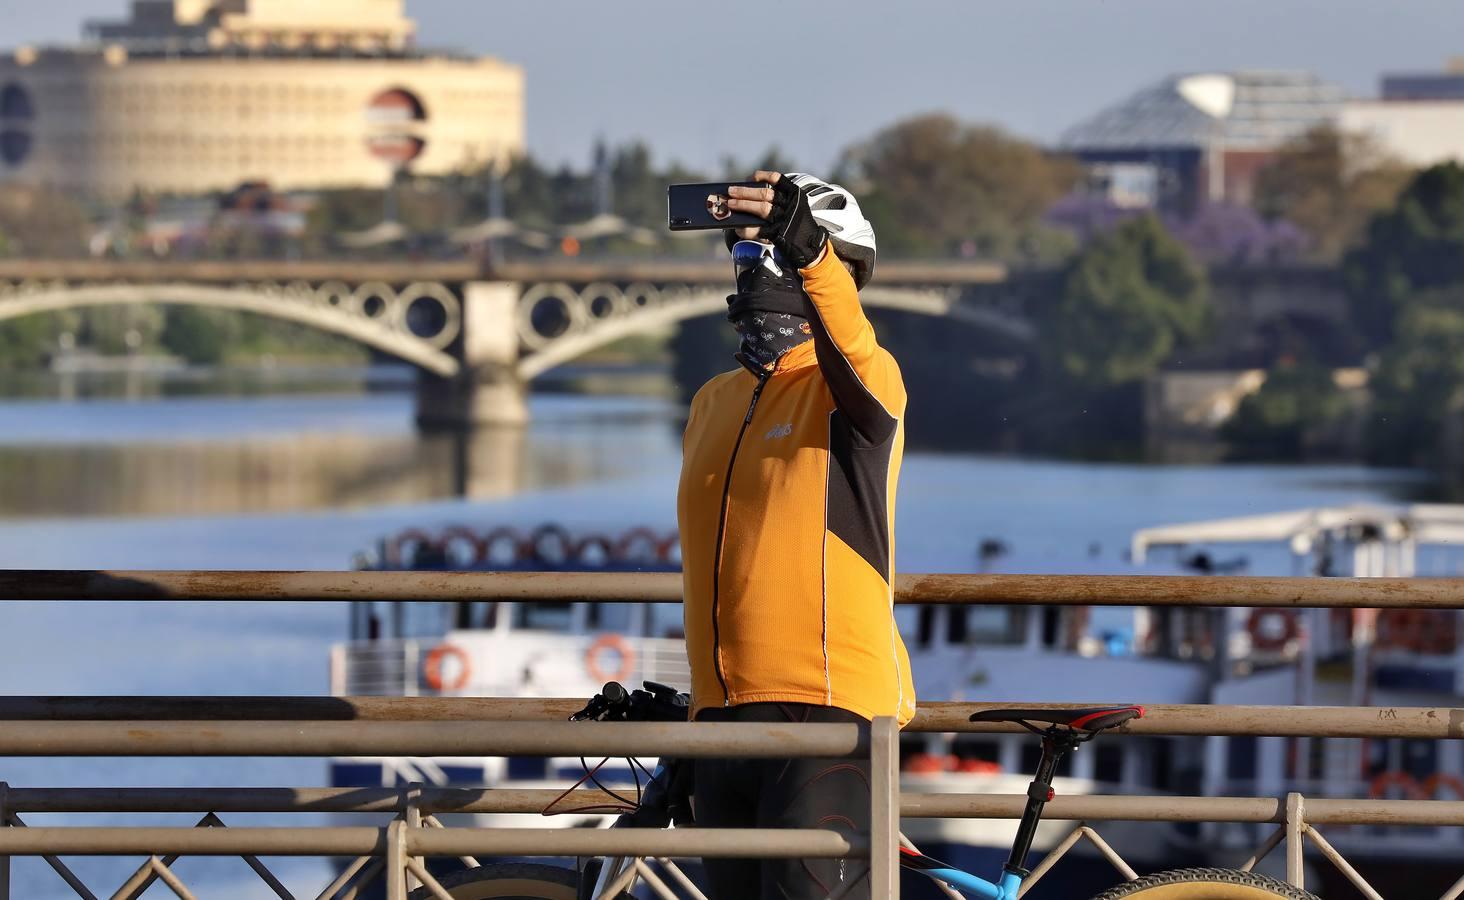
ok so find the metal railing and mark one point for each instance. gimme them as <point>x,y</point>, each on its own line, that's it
<point>661,587</point>
<point>387,726</point>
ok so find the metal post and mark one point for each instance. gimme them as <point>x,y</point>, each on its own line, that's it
<point>396,860</point>
<point>412,814</point>
<point>4,860</point>
<point>1295,840</point>
<point>884,808</point>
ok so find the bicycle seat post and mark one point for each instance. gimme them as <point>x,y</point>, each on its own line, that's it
<point>1056,744</point>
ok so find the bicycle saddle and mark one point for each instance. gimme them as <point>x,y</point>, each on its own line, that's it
<point>1093,718</point>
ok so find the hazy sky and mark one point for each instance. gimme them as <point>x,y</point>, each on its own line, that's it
<point>701,80</point>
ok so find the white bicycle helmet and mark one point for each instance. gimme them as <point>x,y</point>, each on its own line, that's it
<point>838,212</point>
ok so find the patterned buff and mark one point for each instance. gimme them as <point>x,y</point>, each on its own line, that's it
<point>768,308</point>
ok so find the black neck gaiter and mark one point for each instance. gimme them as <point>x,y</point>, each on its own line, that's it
<point>768,313</point>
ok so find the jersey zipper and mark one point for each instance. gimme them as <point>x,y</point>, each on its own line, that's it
<point>762,381</point>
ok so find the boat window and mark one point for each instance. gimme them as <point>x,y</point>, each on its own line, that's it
<point>1032,754</point>
<point>666,621</point>
<point>956,625</point>
<point>1108,761</point>
<point>926,627</point>
<point>995,625</point>
<point>1242,753</point>
<point>546,616</point>
<point>608,617</point>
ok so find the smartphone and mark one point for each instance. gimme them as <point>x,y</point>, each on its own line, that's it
<point>694,207</point>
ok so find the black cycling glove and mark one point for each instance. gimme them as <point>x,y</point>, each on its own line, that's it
<point>791,226</point>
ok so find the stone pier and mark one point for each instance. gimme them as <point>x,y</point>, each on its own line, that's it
<point>487,391</point>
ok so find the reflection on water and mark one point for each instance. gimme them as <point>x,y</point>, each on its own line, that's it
<point>205,455</point>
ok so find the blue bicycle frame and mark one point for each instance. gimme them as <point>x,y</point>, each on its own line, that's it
<point>1056,744</point>
<point>1010,884</point>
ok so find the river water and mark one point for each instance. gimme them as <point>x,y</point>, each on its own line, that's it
<point>305,481</point>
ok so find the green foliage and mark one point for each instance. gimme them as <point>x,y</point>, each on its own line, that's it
<point>1329,184</point>
<point>938,187</point>
<point>200,335</point>
<point>1418,246</point>
<point>1419,382</point>
<point>117,330</point>
<point>1128,300</point>
<point>1288,417</point>
<point>27,342</point>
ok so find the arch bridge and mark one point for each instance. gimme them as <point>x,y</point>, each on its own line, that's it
<point>479,335</point>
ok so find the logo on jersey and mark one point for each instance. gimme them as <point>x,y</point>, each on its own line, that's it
<point>779,431</point>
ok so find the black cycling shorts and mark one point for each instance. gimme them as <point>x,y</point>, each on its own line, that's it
<point>783,793</point>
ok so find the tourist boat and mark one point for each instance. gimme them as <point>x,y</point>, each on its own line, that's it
<point>1005,654</point>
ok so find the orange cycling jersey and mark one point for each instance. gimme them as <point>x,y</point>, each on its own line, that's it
<point>786,511</point>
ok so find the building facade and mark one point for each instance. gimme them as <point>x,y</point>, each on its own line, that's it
<point>1418,119</point>
<point>191,96</point>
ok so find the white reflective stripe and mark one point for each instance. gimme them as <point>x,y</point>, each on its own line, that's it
<point>824,562</point>
<point>890,581</point>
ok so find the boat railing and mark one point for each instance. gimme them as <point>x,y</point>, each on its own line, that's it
<point>442,666</point>
<point>483,726</point>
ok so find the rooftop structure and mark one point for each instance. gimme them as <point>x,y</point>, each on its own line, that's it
<point>1198,138</point>
<point>197,96</point>
<point>213,25</point>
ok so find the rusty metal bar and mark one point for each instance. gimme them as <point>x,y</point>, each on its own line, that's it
<point>681,879</point>
<point>5,811</point>
<point>640,587</point>
<point>1110,854</point>
<point>1077,807</point>
<point>396,860</point>
<point>703,739</point>
<point>1264,849</point>
<point>57,866</point>
<point>432,884</point>
<point>1295,840</point>
<point>170,879</point>
<point>1342,865</point>
<point>337,841</point>
<point>1051,859</point>
<point>431,822</point>
<point>651,878</point>
<point>355,271</point>
<point>1159,719</point>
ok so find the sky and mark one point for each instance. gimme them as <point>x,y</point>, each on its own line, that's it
<point>704,81</point>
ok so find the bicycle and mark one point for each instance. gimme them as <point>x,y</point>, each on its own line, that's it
<point>663,800</point>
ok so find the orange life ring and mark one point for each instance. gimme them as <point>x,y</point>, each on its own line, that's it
<point>1262,636</point>
<point>1431,785</point>
<point>620,646</point>
<point>1378,789</point>
<point>432,668</point>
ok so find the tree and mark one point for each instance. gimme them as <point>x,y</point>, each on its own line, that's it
<point>1416,247</point>
<point>27,342</point>
<point>1127,301</point>
<point>937,187</point>
<point>1288,417</point>
<point>1419,382</point>
<point>200,335</point>
<point>1329,184</point>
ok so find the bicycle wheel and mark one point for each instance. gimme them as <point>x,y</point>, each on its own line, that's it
<point>1205,884</point>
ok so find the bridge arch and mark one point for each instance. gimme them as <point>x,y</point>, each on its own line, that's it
<point>373,313</point>
<point>600,314</point>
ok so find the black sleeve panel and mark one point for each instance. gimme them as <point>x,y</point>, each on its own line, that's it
<point>866,414</point>
<point>858,504</point>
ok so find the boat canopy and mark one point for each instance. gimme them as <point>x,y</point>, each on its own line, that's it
<point>1421,523</point>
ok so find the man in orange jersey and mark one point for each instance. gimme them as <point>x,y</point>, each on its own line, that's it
<point>786,511</point>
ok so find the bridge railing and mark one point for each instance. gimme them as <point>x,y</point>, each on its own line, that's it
<point>381,726</point>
